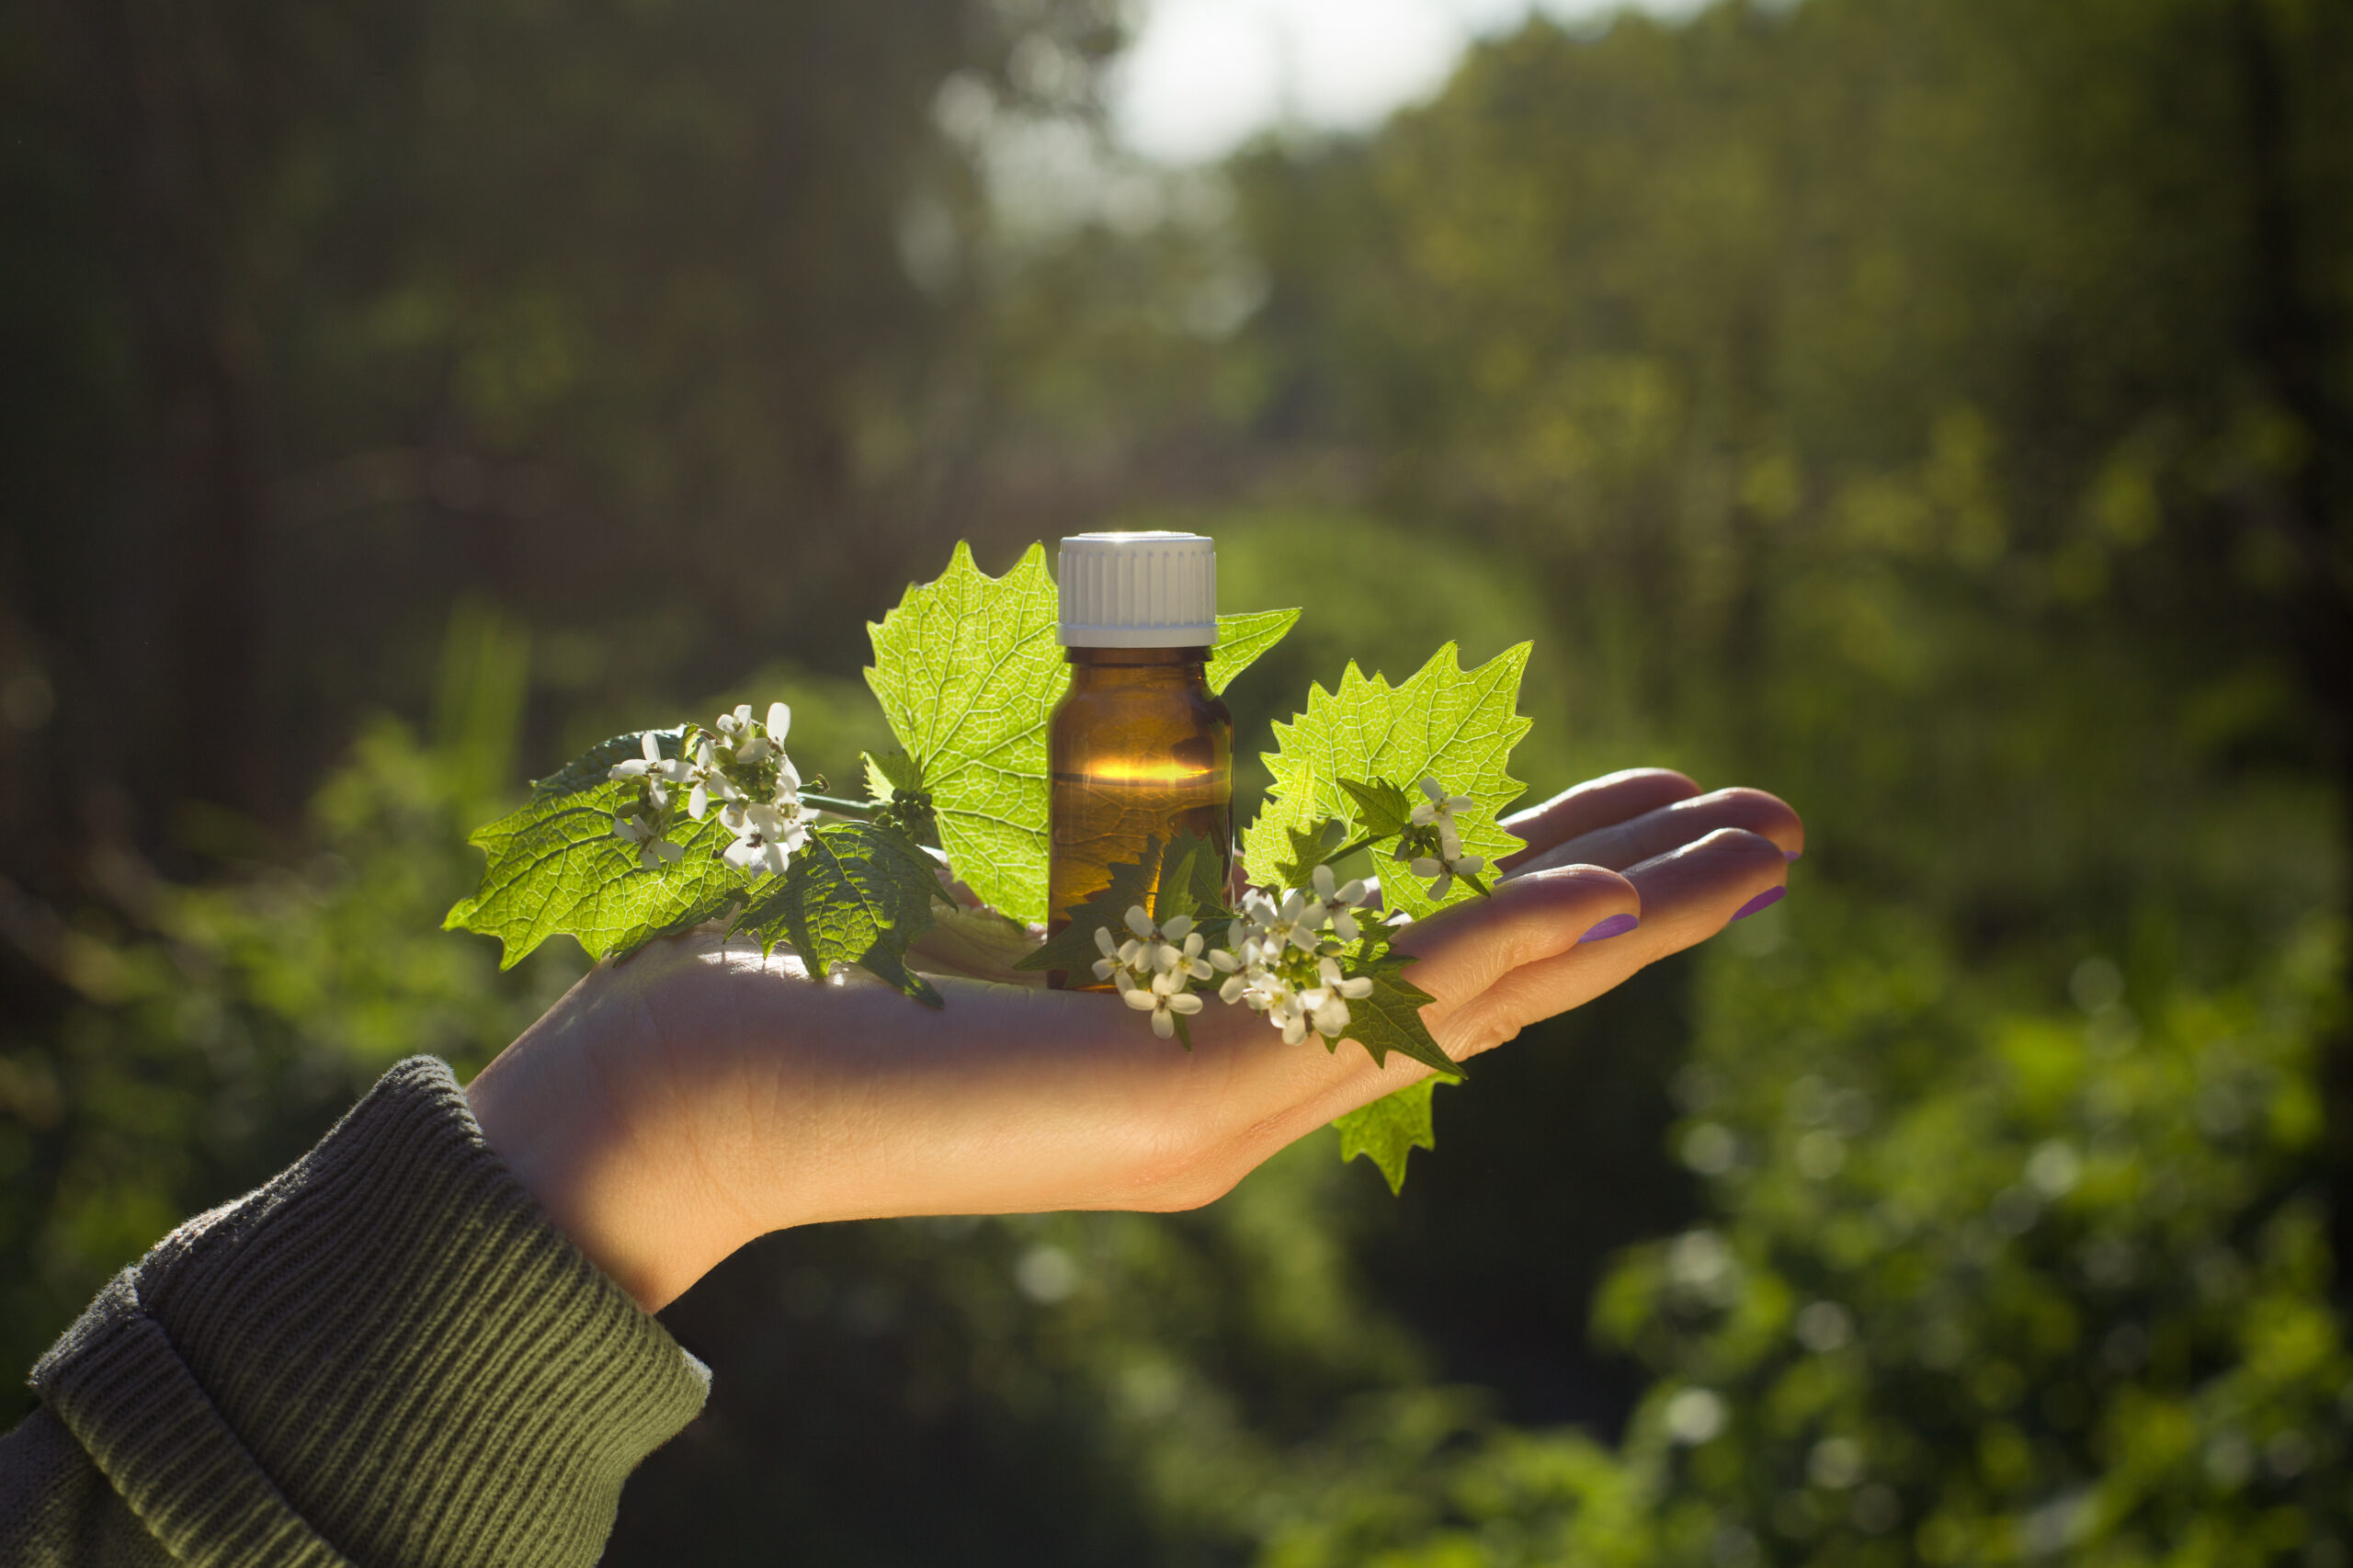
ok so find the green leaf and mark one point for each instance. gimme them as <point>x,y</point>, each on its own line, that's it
<point>1187,878</point>
<point>555,868</point>
<point>1192,880</point>
<point>1310,847</point>
<point>1383,810</point>
<point>1072,949</point>
<point>1458,725</point>
<point>1389,1129</point>
<point>1391,1019</point>
<point>891,774</point>
<point>857,892</point>
<point>1242,638</point>
<point>968,673</point>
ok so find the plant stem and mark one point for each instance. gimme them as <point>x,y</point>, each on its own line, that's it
<point>866,810</point>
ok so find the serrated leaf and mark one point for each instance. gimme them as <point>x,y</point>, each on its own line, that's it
<point>1310,847</point>
<point>1072,949</point>
<point>890,773</point>
<point>1391,1019</point>
<point>1186,877</point>
<point>1382,807</point>
<point>968,671</point>
<point>1192,879</point>
<point>555,868</point>
<point>1458,725</point>
<point>858,892</point>
<point>1242,638</point>
<point>1391,1128</point>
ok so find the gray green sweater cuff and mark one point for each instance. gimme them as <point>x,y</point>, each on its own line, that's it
<point>386,1356</point>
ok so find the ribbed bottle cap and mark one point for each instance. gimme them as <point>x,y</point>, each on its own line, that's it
<point>1139,590</point>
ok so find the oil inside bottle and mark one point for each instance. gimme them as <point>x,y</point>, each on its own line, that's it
<point>1140,750</point>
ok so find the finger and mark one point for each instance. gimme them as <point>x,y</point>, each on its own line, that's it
<point>1659,832</point>
<point>1468,947</point>
<point>1594,804</point>
<point>1688,895</point>
<point>1461,953</point>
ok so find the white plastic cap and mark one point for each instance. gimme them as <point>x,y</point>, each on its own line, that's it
<point>1139,590</point>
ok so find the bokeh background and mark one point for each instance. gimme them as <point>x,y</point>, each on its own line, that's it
<point>1940,412</point>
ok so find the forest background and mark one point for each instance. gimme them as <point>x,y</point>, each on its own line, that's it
<point>1940,412</point>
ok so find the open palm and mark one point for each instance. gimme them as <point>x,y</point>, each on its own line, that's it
<point>677,1105</point>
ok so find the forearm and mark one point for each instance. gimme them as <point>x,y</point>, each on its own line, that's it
<point>386,1355</point>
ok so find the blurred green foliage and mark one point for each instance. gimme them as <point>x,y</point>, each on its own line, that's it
<point>1933,411</point>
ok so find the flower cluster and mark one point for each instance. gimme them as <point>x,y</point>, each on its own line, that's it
<point>1285,961</point>
<point>643,817</point>
<point>1287,953</point>
<point>1432,846</point>
<point>739,765</point>
<point>1155,968</point>
<point>1282,959</point>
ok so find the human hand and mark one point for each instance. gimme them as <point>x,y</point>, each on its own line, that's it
<point>674,1106</point>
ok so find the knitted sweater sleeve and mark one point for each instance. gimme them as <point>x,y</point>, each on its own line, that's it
<point>386,1356</point>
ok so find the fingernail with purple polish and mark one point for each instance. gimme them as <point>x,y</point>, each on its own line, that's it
<point>1765,899</point>
<point>1791,854</point>
<point>1616,926</point>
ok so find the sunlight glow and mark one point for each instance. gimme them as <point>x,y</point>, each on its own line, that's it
<point>1202,76</point>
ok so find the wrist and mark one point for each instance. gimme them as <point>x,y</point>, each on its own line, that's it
<point>591,1152</point>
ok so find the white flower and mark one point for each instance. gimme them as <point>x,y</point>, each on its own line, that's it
<point>768,836</point>
<point>1456,864</point>
<point>1164,998</point>
<point>653,769</point>
<point>754,742</point>
<point>1124,962</point>
<point>758,853</point>
<point>1340,902</point>
<point>1327,1002</point>
<point>1245,972</point>
<point>638,766</point>
<point>1438,811</point>
<point>1178,951</point>
<point>1297,922</point>
<point>653,849</point>
<point>707,782</point>
<point>1274,997</point>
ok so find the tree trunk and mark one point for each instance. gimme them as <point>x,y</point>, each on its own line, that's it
<point>164,153</point>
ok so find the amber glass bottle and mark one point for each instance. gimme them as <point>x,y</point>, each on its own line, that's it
<point>1139,747</point>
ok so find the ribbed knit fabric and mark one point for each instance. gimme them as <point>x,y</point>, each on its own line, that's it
<point>387,1356</point>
